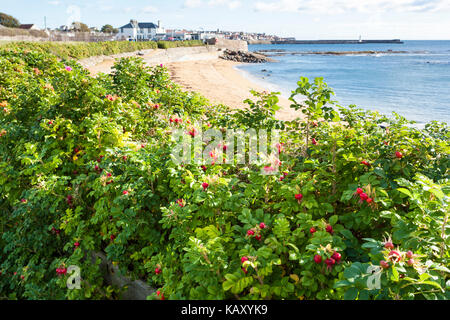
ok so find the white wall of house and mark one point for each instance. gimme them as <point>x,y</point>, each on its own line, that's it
<point>140,33</point>
<point>127,33</point>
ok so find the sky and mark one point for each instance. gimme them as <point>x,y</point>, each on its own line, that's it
<point>303,19</point>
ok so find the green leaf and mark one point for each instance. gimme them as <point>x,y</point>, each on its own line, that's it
<point>395,275</point>
<point>405,191</point>
<point>333,219</point>
<point>351,294</point>
<point>227,285</point>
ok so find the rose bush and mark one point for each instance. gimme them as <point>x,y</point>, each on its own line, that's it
<point>86,166</point>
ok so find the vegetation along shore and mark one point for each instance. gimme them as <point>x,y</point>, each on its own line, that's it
<point>86,167</point>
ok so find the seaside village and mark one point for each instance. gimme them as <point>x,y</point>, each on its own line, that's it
<point>144,31</point>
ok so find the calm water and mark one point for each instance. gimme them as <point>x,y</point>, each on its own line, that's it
<point>414,84</point>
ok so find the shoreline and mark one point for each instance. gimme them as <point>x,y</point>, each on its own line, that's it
<point>202,71</point>
<point>221,82</point>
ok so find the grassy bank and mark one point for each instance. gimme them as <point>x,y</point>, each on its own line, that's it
<point>177,44</point>
<point>81,50</point>
<point>14,32</point>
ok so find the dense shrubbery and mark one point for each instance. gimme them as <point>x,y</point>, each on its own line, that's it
<point>85,166</point>
<point>80,50</point>
<point>176,44</point>
<point>8,21</point>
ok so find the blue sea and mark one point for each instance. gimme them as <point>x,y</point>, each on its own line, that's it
<point>415,84</point>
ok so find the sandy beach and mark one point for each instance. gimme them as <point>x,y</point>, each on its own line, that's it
<point>220,82</point>
<point>205,73</point>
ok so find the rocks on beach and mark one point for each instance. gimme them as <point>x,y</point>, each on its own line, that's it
<point>241,56</point>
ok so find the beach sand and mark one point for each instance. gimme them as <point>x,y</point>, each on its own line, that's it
<point>220,82</point>
<point>214,78</point>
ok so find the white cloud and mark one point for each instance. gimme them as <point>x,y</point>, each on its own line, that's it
<point>150,9</point>
<point>230,4</point>
<point>234,4</point>
<point>54,3</point>
<point>192,3</point>
<point>340,6</point>
<point>106,8</point>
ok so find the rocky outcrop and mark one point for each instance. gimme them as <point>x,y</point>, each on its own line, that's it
<point>248,57</point>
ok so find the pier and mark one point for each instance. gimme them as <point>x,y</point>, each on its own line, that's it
<point>395,41</point>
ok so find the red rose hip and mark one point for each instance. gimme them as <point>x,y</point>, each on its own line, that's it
<point>317,258</point>
<point>299,196</point>
<point>389,245</point>
<point>336,256</point>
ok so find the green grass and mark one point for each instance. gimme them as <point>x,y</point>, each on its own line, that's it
<point>176,44</point>
<point>81,50</point>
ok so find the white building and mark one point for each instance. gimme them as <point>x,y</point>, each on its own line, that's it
<point>140,30</point>
<point>178,35</point>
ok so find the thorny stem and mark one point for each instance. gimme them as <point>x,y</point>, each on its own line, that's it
<point>258,277</point>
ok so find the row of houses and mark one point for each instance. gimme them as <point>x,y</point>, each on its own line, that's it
<point>143,31</point>
<point>146,31</point>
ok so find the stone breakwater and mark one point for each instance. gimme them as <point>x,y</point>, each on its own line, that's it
<point>247,57</point>
<point>281,52</point>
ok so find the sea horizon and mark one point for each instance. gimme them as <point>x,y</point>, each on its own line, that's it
<point>414,83</point>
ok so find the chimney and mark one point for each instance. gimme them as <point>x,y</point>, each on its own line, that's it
<point>159,23</point>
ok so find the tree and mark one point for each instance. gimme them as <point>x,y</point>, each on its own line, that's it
<point>8,21</point>
<point>80,27</point>
<point>107,28</point>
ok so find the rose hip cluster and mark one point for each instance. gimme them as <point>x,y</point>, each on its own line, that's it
<point>363,196</point>
<point>256,232</point>
<point>285,174</point>
<point>328,229</point>
<point>243,260</point>
<point>180,202</point>
<point>396,256</point>
<point>331,261</point>
<point>176,120</point>
<point>61,270</point>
